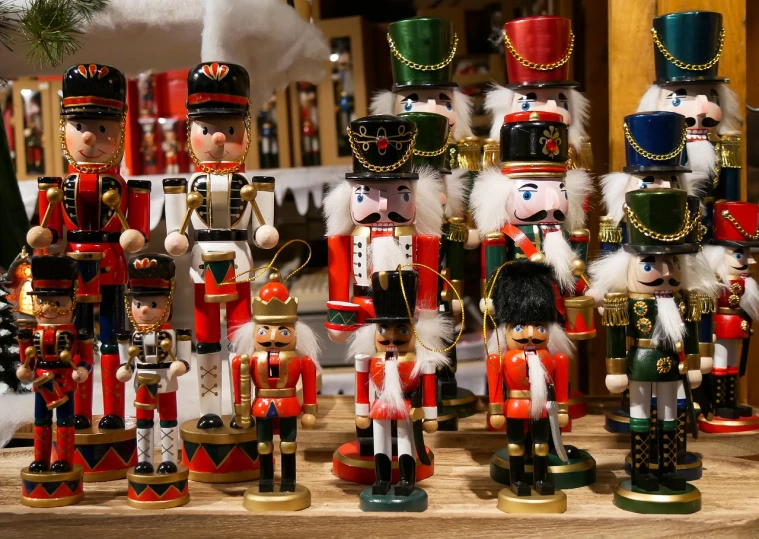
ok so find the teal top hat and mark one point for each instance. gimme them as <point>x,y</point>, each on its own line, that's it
<point>422,53</point>
<point>687,47</point>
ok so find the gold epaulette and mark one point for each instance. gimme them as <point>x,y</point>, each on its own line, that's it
<point>455,230</point>
<point>694,307</point>
<point>730,151</point>
<point>707,303</point>
<point>470,151</point>
<point>607,232</point>
<point>615,310</point>
<point>491,154</point>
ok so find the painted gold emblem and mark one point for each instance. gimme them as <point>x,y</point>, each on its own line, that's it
<point>644,325</point>
<point>744,325</point>
<point>640,308</point>
<point>664,365</point>
<point>681,308</point>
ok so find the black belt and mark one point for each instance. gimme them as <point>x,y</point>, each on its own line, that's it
<point>362,291</point>
<point>221,235</point>
<point>85,236</point>
<point>47,365</point>
<point>153,365</point>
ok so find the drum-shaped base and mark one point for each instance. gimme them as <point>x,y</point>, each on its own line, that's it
<point>49,489</point>
<point>508,502</point>
<point>719,425</point>
<point>349,465</point>
<point>265,502</point>
<point>223,455</point>
<point>158,491</point>
<point>416,502</point>
<point>106,455</point>
<point>464,404</point>
<point>578,407</point>
<point>617,421</point>
<point>661,502</point>
<point>690,470</point>
<point>578,472</point>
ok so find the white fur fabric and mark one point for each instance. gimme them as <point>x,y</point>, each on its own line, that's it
<point>455,192</point>
<point>336,208</point>
<point>609,274</point>
<point>558,342</point>
<point>650,100</point>
<point>750,299</point>
<point>698,275</point>
<point>307,343</point>
<point>362,342</point>
<point>498,103</point>
<point>538,385</point>
<point>490,195</point>
<point>701,159</point>
<point>579,186</point>
<point>715,255</point>
<point>386,254</point>
<point>497,340</point>
<point>613,189</point>
<point>391,392</point>
<point>669,327</point>
<point>429,209</point>
<point>559,256</point>
<point>462,105</point>
<point>435,331</point>
<point>579,110</point>
<point>383,102</point>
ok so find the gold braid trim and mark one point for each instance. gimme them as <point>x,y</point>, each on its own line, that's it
<point>608,233</point>
<point>730,152</point>
<point>615,310</point>
<point>707,304</point>
<point>694,307</point>
<point>455,230</point>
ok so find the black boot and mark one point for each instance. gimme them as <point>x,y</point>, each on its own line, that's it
<point>365,439</point>
<point>721,405</point>
<point>210,421</point>
<point>668,475</point>
<point>81,422</point>
<point>682,434</point>
<point>543,484</point>
<point>60,466</point>
<point>266,463</point>
<point>384,470</point>
<point>38,467</point>
<point>144,467</point>
<point>516,476</point>
<point>167,467</point>
<point>407,466</point>
<point>732,398</point>
<point>111,422</point>
<point>641,476</point>
<point>288,473</point>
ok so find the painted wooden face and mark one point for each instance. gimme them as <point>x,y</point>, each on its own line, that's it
<point>436,100</point>
<point>279,336</point>
<point>736,260</point>
<point>538,201</point>
<point>699,103</point>
<point>382,203</point>
<point>521,336</point>
<point>543,99</point>
<point>149,309</point>
<point>644,180</point>
<point>650,273</point>
<point>53,309</point>
<point>93,140</point>
<point>218,139</point>
<point>394,337</point>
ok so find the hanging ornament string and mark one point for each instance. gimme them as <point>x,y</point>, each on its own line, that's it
<point>411,313</point>
<point>270,266</point>
<point>154,326</point>
<point>486,311</point>
<point>93,168</point>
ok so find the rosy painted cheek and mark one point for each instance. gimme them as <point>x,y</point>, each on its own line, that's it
<point>715,112</point>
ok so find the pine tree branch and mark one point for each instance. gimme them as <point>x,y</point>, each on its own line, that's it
<point>9,14</point>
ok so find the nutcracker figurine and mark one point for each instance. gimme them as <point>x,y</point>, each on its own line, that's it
<point>104,216</point>
<point>221,204</point>
<point>170,147</point>
<point>535,403</point>
<point>157,355</point>
<point>382,212</point>
<point>735,233</point>
<point>278,351</point>
<point>647,304</point>
<point>399,356</point>
<point>59,356</point>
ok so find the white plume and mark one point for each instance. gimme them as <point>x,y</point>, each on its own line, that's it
<point>462,105</point>
<point>750,300</point>
<point>579,110</point>
<point>579,186</point>
<point>701,158</point>
<point>609,274</point>
<point>614,188</point>
<point>669,327</point>
<point>383,102</point>
<point>362,342</point>
<point>650,100</point>
<point>732,119</point>
<point>558,342</point>
<point>386,254</point>
<point>436,332</point>
<point>455,192</point>
<point>429,209</point>
<point>559,256</point>
<point>715,256</point>
<point>498,103</point>
<point>489,198</point>
<point>539,379</point>
<point>391,393</point>
<point>336,208</point>
<point>698,275</point>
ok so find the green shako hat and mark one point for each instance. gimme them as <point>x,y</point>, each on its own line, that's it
<point>422,52</point>
<point>431,141</point>
<point>687,47</point>
<point>659,221</point>
<point>382,148</point>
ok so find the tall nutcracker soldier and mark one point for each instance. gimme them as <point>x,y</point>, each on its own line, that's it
<point>58,356</point>
<point>105,216</point>
<point>156,354</point>
<point>399,356</point>
<point>383,211</point>
<point>536,383</point>
<point>647,304</point>
<point>222,205</point>
<point>277,353</point>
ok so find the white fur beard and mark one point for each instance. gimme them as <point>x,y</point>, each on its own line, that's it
<point>558,342</point>
<point>538,385</point>
<point>385,254</point>
<point>435,331</point>
<point>669,328</point>
<point>391,392</point>
<point>701,157</point>
<point>559,256</point>
<point>750,300</point>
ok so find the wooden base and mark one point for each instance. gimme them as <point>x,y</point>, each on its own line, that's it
<point>416,502</point>
<point>578,406</point>
<point>719,425</point>
<point>349,465</point>
<point>158,491</point>
<point>690,470</point>
<point>106,455</point>
<point>617,421</point>
<point>50,489</point>
<point>464,404</point>
<point>508,502</point>
<point>265,502</point>
<point>578,472</point>
<point>662,502</point>
<point>223,455</point>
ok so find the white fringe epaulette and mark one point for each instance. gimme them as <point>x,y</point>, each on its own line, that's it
<point>490,195</point>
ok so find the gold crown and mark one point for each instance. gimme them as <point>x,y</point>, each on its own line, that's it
<point>275,311</point>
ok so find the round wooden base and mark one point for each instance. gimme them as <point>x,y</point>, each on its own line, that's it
<point>158,491</point>
<point>578,472</point>
<point>464,404</point>
<point>349,465</point>
<point>661,502</point>
<point>51,489</point>
<point>617,421</point>
<point>223,455</point>
<point>106,455</point>
<point>265,502</point>
<point>719,425</point>
<point>691,470</point>
<point>578,407</point>
<point>416,502</point>
<point>508,502</point>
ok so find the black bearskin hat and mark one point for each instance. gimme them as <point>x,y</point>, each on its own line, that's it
<point>524,294</point>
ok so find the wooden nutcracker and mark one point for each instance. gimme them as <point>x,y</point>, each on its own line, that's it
<point>104,216</point>
<point>58,356</point>
<point>157,355</point>
<point>221,204</point>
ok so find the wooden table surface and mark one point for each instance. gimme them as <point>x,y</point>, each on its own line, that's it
<point>462,495</point>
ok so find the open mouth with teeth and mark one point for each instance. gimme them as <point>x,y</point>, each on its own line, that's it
<point>697,134</point>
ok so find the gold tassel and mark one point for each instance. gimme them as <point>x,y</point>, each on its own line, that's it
<point>608,233</point>
<point>470,149</point>
<point>615,310</point>
<point>491,154</point>
<point>707,304</point>
<point>730,151</point>
<point>455,230</point>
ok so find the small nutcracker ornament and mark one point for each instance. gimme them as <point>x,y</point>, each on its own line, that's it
<point>104,216</point>
<point>278,352</point>
<point>58,356</point>
<point>536,401</point>
<point>735,234</point>
<point>648,305</point>
<point>398,356</point>
<point>157,355</point>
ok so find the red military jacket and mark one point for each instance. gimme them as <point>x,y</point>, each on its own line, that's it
<point>511,371</point>
<point>728,322</point>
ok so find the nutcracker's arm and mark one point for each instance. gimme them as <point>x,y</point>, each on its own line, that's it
<point>362,384</point>
<point>308,379</point>
<point>86,351</point>
<point>184,347</point>
<point>730,162</point>
<point>50,210</point>
<point>429,392</point>
<point>138,206</point>
<point>493,254</point>
<point>454,234</point>
<point>428,254</point>
<point>262,204</point>
<point>561,382</point>
<point>237,383</point>
<point>495,384</point>
<point>124,339</point>
<point>616,318</point>
<point>691,345</point>
<point>28,359</point>
<point>339,257</point>
<point>578,241</point>
<point>175,203</point>
<point>609,236</point>
<point>708,307</point>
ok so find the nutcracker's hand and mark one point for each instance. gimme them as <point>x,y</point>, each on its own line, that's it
<point>707,362</point>
<point>177,369</point>
<point>616,383</point>
<point>80,375</point>
<point>267,236</point>
<point>456,309</point>
<point>124,374</point>
<point>429,426</point>
<point>24,373</point>
<point>363,422</point>
<point>472,239</point>
<point>563,419</point>
<point>39,237</point>
<point>308,421</point>
<point>337,336</point>
<point>489,302</point>
<point>176,244</point>
<point>132,240</point>
<point>497,421</point>
<point>694,378</point>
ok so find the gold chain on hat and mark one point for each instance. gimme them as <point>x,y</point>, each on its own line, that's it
<point>689,67</point>
<point>37,307</point>
<point>439,151</point>
<point>421,67</point>
<point>377,168</point>
<point>653,156</point>
<point>685,229</point>
<point>234,168</point>
<point>726,214</point>
<point>154,326</point>
<point>92,168</point>
<point>535,66</point>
